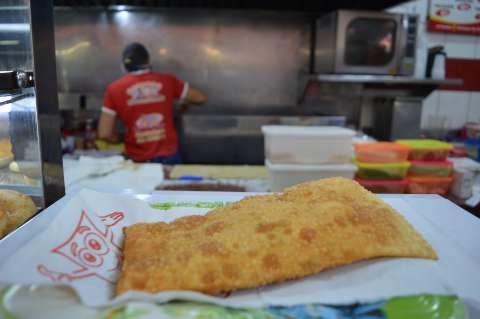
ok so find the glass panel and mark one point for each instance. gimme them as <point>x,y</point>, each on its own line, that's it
<point>20,163</point>
<point>15,42</point>
<point>19,148</point>
<point>370,42</point>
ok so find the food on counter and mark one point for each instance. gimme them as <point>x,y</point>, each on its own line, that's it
<point>31,169</point>
<point>429,185</point>
<point>381,152</point>
<point>220,171</point>
<point>430,168</point>
<point>6,155</point>
<point>5,147</point>
<point>427,150</point>
<point>11,178</point>
<point>3,223</point>
<point>4,161</point>
<point>209,187</point>
<point>15,209</point>
<point>266,239</point>
<point>382,171</point>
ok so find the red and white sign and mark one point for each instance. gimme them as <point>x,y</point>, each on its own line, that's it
<point>454,16</point>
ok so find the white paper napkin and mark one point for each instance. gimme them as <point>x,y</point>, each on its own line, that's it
<point>81,248</point>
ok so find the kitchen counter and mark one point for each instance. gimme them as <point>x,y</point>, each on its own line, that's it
<point>114,174</point>
<point>454,224</point>
<point>111,174</point>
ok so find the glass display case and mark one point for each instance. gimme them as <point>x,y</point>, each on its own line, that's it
<point>30,150</point>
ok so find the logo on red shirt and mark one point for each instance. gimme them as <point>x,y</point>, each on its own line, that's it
<point>144,103</point>
<point>145,93</point>
<point>149,128</point>
<point>464,6</point>
<point>443,12</point>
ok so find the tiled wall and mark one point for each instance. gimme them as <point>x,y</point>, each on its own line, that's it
<point>446,109</point>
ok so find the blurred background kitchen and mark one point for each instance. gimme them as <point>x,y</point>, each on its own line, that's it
<point>330,73</point>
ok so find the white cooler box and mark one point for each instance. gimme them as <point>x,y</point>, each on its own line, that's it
<point>308,144</point>
<point>285,175</point>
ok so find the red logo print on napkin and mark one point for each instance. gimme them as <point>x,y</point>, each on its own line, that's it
<point>92,249</point>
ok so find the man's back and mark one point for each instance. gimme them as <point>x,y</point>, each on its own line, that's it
<point>143,100</point>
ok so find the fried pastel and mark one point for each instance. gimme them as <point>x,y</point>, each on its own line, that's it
<point>3,223</point>
<point>16,207</point>
<point>266,239</point>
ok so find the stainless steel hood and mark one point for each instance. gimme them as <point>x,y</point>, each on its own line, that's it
<point>303,5</point>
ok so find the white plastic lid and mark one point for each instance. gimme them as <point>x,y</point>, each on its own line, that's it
<point>308,130</point>
<point>310,167</point>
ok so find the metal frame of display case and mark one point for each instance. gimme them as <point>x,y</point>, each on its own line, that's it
<point>48,116</point>
<point>41,83</point>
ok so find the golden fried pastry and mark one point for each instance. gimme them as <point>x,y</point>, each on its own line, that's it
<point>18,208</point>
<point>3,223</point>
<point>266,239</point>
<point>5,147</point>
<point>6,155</point>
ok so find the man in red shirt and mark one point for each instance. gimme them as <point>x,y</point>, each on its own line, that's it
<point>143,101</point>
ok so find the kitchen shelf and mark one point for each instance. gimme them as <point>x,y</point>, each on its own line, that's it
<point>395,101</point>
<point>382,79</point>
<point>372,85</point>
<point>283,5</point>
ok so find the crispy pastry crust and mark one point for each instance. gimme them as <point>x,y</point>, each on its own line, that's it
<point>16,209</point>
<point>265,239</point>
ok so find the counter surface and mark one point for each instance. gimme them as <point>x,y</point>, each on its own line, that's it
<point>454,225</point>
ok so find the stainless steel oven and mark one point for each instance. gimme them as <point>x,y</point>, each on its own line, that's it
<point>365,42</point>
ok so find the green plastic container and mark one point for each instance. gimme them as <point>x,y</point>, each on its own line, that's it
<point>427,150</point>
<point>382,171</point>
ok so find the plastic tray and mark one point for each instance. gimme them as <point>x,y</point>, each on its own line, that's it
<point>382,152</point>
<point>285,175</point>
<point>431,168</point>
<point>427,150</point>
<point>308,144</point>
<point>382,171</point>
<point>429,185</point>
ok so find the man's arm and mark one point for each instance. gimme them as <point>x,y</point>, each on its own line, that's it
<point>195,96</point>
<point>106,127</point>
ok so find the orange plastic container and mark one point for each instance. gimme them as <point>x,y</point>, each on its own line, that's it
<point>429,185</point>
<point>381,152</point>
<point>430,168</point>
<point>385,186</point>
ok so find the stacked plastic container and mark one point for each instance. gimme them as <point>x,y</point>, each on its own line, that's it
<point>430,171</point>
<point>382,166</point>
<point>295,154</point>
